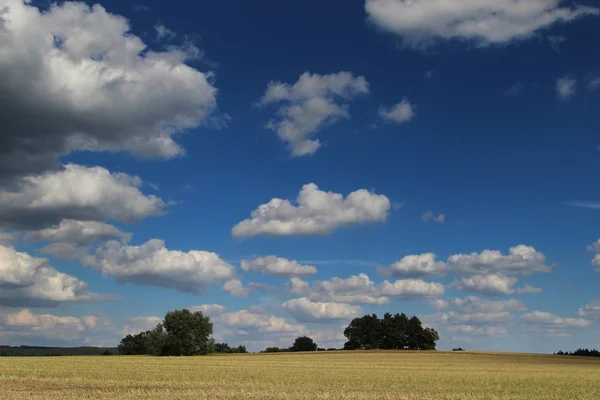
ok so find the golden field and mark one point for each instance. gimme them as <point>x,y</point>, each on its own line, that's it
<point>333,375</point>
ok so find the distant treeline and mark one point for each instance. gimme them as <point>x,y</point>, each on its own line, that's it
<point>580,352</point>
<point>25,351</point>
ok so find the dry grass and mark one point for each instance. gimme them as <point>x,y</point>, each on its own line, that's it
<point>343,375</point>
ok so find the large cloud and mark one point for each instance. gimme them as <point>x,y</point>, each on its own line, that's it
<point>80,80</point>
<point>311,103</point>
<point>416,266</point>
<point>23,326</point>
<point>361,289</point>
<point>27,281</point>
<point>546,322</point>
<point>478,317</point>
<point>521,260</point>
<point>304,310</point>
<point>591,310</point>
<point>153,264</point>
<point>278,266</point>
<point>79,232</point>
<point>317,213</point>
<point>422,22</point>
<point>78,193</point>
<point>259,322</point>
<point>491,284</point>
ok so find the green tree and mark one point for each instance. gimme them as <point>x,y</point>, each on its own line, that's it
<point>132,345</point>
<point>304,343</point>
<point>187,333</point>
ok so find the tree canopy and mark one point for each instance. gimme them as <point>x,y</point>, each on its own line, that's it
<point>304,343</point>
<point>181,333</point>
<point>392,332</point>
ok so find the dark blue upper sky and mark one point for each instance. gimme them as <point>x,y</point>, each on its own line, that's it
<point>501,140</point>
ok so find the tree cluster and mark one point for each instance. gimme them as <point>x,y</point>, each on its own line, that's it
<point>224,348</point>
<point>181,333</point>
<point>580,352</point>
<point>302,343</point>
<point>392,332</point>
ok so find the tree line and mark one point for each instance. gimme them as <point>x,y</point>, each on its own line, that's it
<point>181,333</point>
<point>186,333</point>
<point>579,352</point>
<point>38,351</point>
<point>392,332</point>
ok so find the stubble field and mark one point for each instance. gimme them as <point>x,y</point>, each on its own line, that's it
<point>333,375</point>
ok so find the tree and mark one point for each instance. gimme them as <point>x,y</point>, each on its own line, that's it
<point>392,332</point>
<point>133,345</point>
<point>304,343</point>
<point>187,333</point>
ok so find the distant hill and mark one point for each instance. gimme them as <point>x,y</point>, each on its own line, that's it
<point>21,351</point>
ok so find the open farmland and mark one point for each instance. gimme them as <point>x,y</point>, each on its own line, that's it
<point>333,375</point>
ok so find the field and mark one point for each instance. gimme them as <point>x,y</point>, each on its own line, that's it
<point>334,375</point>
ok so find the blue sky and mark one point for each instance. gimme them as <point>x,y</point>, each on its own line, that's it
<point>435,139</point>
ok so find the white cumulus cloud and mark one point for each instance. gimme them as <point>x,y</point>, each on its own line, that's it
<point>87,83</point>
<point>311,103</point>
<point>27,281</point>
<point>521,260</point>
<point>153,264</point>
<point>304,310</point>
<point>317,213</point>
<point>423,22</point>
<point>75,193</point>
<point>591,310</point>
<point>566,87</point>
<point>416,266</point>
<point>235,287</point>
<point>278,266</point>
<point>492,284</point>
<point>399,113</point>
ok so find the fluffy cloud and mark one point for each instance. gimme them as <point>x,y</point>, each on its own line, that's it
<point>209,309</point>
<point>311,103</point>
<point>593,80</point>
<point>361,289</point>
<point>410,289</point>
<point>492,284</point>
<point>317,213</point>
<point>272,265</point>
<point>75,193</point>
<point>153,264</point>
<point>23,325</point>
<point>87,83</point>
<point>492,331</point>
<point>30,281</point>
<point>399,113</point>
<point>475,316</point>
<point>430,216</point>
<point>528,289</point>
<point>80,232</point>
<point>304,310</point>
<point>416,266</point>
<point>550,323</point>
<point>235,288</point>
<point>521,260</point>
<point>136,325</point>
<point>259,322</point>
<point>595,248</point>
<point>422,22</point>
<point>591,310</point>
<point>566,87</point>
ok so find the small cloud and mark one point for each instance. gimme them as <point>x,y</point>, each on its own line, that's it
<point>140,8</point>
<point>585,204</point>
<point>397,206</point>
<point>429,74</point>
<point>218,122</point>
<point>555,42</point>
<point>162,32</point>
<point>515,90</point>
<point>593,80</point>
<point>399,113</point>
<point>430,216</point>
<point>566,87</point>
